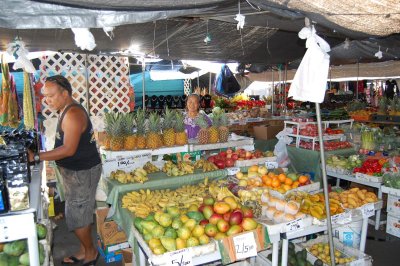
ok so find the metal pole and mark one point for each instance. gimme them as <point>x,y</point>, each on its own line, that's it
<point>143,83</point>
<point>273,91</point>
<point>325,184</point>
<point>209,83</point>
<point>358,74</point>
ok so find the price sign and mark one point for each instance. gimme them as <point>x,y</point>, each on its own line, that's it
<point>182,257</point>
<point>294,225</point>
<point>245,246</point>
<point>242,122</point>
<point>125,163</point>
<point>341,218</point>
<point>368,210</point>
<point>271,165</point>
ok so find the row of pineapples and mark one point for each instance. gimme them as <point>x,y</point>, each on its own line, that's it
<point>119,129</point>
<point>217,132</point>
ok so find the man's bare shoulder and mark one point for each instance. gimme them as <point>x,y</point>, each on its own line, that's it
<point>75,115</point>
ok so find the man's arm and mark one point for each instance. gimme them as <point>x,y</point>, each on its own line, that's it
<point>73,124</point>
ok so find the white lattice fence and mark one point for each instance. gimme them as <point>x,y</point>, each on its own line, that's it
<point>187,87</point>
<point>72,66</point>
<point>108,84</point>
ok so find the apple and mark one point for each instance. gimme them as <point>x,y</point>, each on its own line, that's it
<point>214,218</point>
<point>222,154</point>
<point>247,212</point>
<point>223,226</point>
<point>204,222</point>
<point>235,156</point>
<point>208,211</point>
<point>220,164</point>
<point>208,200</point>
<point>226,216</point>
<point>236,218</point>
<point>210,230</point>
<point>229,162</point>
<point>211,159</point>
<point>248,155</point>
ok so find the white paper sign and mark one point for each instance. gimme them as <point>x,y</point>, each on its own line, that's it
<point>271,165</point>
<point>182,257</point>
<point>128,163</point>
<point>341,218</point>
<point>245,246</point>
<point>294,225</point>
<point>368,210</point>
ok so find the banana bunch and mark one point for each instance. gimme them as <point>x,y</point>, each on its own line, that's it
<point>207,166</point>
<point>199,164</point>
<point>122,176</point>
<point>140,175</point>
<point>353,198</point>
<point>182,168</point>
<point>219,191</point>
<point>315,206</point>
<point>296,196</point>
<point>141,203</point>
<point>150,168</point>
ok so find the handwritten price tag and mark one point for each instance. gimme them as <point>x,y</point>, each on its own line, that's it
<point>341,218</point>
<point>368,210</point>
<point>294,225</point>
<point>245,246</point>
<point>182,257</point>
<point>271,165</point>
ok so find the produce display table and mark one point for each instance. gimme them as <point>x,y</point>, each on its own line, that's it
<point>377,185</point>
<point>303,160</point>
<point>124,218</point>
<point>106,154</point>
<point>356,215</point>
<point>21,224</point>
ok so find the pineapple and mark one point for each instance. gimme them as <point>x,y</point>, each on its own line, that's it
<point>130,138</point>
<point>168,128</point>
<point>213,130</point>
<point>223,130</point>
<point>141,129</point>
<point>382,110</point>
<point>154,139</point>
<point>203,135</point>
<point>117,133</point>
<point>180,135</point>
<point>108,119</point>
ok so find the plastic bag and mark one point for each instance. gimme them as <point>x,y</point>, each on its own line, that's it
<point>280,151</point>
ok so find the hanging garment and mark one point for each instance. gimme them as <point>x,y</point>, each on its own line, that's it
<point>226,83</point>
<point>309,83</point>
<point>8,98</point>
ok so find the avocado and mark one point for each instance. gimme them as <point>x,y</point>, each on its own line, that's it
<point>292,260</point>
<point>304,254</point>
<point>299,255</point>
<point>269,257</point>
<point>318,262</point>
<point>301,262</point>
<point>308,263</point>
<point>291,246</point>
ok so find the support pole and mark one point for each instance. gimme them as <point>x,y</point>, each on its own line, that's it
<point>358,74</point>
<point>209,83</point>
<point>143,83</point>
<point>273,92</point>
<point>325,184</point>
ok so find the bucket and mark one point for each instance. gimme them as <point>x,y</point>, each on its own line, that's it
<point>349,234</point>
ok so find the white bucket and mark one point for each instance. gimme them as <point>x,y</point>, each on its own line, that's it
<point>349,234</point>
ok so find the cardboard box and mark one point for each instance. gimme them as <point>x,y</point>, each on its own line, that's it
<point>393,225</point>
<point>127,257</point>
<point>111,257</point>
<point>393,205</point>
<point>112,248</point>
<point>109,231</point>
<point>266,132</point>
<point>187,156</point>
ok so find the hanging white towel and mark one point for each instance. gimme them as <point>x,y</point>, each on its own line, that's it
<point>309,83</point>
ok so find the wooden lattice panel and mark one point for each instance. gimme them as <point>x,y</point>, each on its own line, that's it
<point>108,84</point>
<point>71,66</point>
<point>187,84</point>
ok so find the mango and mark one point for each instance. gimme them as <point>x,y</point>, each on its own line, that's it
<point>168,243</point>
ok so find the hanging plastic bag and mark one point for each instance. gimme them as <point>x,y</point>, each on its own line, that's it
<point>226,83</point>
<point>280,150</point>
<point>8,98</point>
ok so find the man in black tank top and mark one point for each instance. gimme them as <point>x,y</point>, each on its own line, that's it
<point>79,163</point>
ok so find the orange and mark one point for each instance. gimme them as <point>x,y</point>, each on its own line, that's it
<point>287,187</point>
<point>253,168</point>
<point>295,184</point>
<point>288,181</point>
<point>264,178</point>
<point>282,177</point>
<point>275,183</point>
<point>303,179</point>
<point>268,182</point>
<point>271,174</point>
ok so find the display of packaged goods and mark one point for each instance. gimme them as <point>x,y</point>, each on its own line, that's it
<point>391,191</point>
<point>393,225</point>
<point>262,160</point>
<point>369,178</point>
<point>318,249</point>
<point>393,205</point>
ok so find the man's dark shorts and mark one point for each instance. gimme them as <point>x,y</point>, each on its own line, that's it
<point>80,192</point>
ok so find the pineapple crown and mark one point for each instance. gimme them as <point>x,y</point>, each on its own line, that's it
<point>201,121</point>
<point>108,120</point>
<point>129,123</point>
<point>224,121</point>
<point>179,122</point>
<point>118,127</point>
<point>169,119</point>
<point>140,121</point>
<point>216,119</point>
<point>154,122</point>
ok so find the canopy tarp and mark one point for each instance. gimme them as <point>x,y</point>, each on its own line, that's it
<point>269,36</point>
